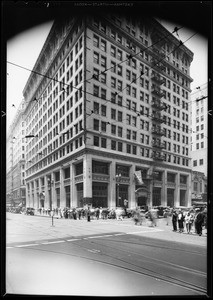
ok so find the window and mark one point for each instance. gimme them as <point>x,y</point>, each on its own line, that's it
<point>113,129</point>
<point>120,116</point>
<point>113,114</point>
<point>103,126</point>
<point>120,70</point>
<point>103,61</point>
<point>103,93</point>
<point>113,34</point>
<point>201,162</point>
<point>120,146</point>
<point>119,100</point>
<point>119,53</point>
<point>96,58</point>
<point>119,85</point>
<point>96,108</point>
<point>103,110</point>
<point>113,82</point>
<point>113,66</point>
<point>128,134</point>
<point>96,141</point>
<point>120,131</point>
<point>113,145</point>
<point>128,148</point>
<point>96,124</point>
<point>96,90</point>
<point>103,45</point>
<point>96,41</point>
<point>113,51</point>
<point>103,142</point>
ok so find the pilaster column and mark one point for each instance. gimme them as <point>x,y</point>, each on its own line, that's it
<point>47,193</point>
<point>112,186</point>
<point>164,189</point>
<point>73,189</point>
<point>87,175</point>
<point>189,190</point>
<point>131,193</point>
<point>62,188</point>
<point>177,190</point>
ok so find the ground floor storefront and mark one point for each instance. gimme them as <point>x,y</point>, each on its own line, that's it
<point>109,182</point>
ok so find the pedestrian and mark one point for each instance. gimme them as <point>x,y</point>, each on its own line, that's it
<point>97,213</point>
<point>188,220</point>
<point>174,220</point>
<point>199,221</point>
<point>137,217</point>
<point>79,214</point>
<point>88,214</point>
<point>74,213</point>
<point>180,221</point>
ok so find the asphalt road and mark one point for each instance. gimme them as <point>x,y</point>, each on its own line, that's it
<point>102,258</point>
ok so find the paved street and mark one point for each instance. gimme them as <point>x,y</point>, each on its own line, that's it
<point>102,257</point>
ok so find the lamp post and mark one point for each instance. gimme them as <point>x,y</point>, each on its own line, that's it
<point>118,178</point>
<point>50,183</point>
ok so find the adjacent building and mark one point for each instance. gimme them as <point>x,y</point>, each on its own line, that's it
<point>199,124</point>
<point>15,172</point>
<point>108,116</point>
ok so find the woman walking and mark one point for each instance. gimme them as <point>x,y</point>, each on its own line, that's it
<point>188,220</point>
<point>180,221</point>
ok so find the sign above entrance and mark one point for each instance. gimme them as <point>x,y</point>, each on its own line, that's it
<point>138,177</point>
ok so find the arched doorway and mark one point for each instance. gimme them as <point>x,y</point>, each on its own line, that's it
<point>141,194</point>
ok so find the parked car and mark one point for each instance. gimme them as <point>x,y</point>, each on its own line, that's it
<point>30,211</point>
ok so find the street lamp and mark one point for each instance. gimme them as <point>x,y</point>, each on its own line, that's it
<point>50,183</point>
<point>118,178</point>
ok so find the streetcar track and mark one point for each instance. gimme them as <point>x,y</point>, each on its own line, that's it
<point>155,275</point>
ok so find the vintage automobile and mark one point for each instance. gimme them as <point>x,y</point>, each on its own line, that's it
<point>30,211</point>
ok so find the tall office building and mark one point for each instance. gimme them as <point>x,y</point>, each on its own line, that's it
<point>199,121</point>
<point>15,163</point>
<point>108,116</point>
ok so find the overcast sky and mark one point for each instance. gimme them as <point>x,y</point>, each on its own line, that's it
<point>24,49</point>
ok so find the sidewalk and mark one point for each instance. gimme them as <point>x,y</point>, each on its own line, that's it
<point>22,228</point>
<point>161,231</point>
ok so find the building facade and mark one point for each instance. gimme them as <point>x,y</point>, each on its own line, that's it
<point>199,119</point>
<point>15,172</point>
<point>108,116</point>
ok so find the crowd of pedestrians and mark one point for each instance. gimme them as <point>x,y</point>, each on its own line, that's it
<point>182,221</point>
<point>192,218</point>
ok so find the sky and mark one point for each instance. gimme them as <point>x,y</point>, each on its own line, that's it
<point>24,50</point>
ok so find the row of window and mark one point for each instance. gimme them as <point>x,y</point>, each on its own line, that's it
<point>117,115</point>
<point>130,75</point>
<point>200,161</point>
<point>144,139</point>
<point>57,155</point>
<point>132,149</point>
<point>131,45</point>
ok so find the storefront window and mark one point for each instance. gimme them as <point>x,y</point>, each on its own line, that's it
<point>79,169</point>
<point>100,167</point>
<point>123,170</point>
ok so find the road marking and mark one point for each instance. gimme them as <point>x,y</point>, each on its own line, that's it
<point>144,231</point>
<point>93,250</point>
<point>94,237</point>
<point>119,234</point>
<point>55,242</point>
<point>73,240</point>
<point>27,245</point>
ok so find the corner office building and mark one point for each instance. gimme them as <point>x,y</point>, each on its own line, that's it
<point>112,101</point>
